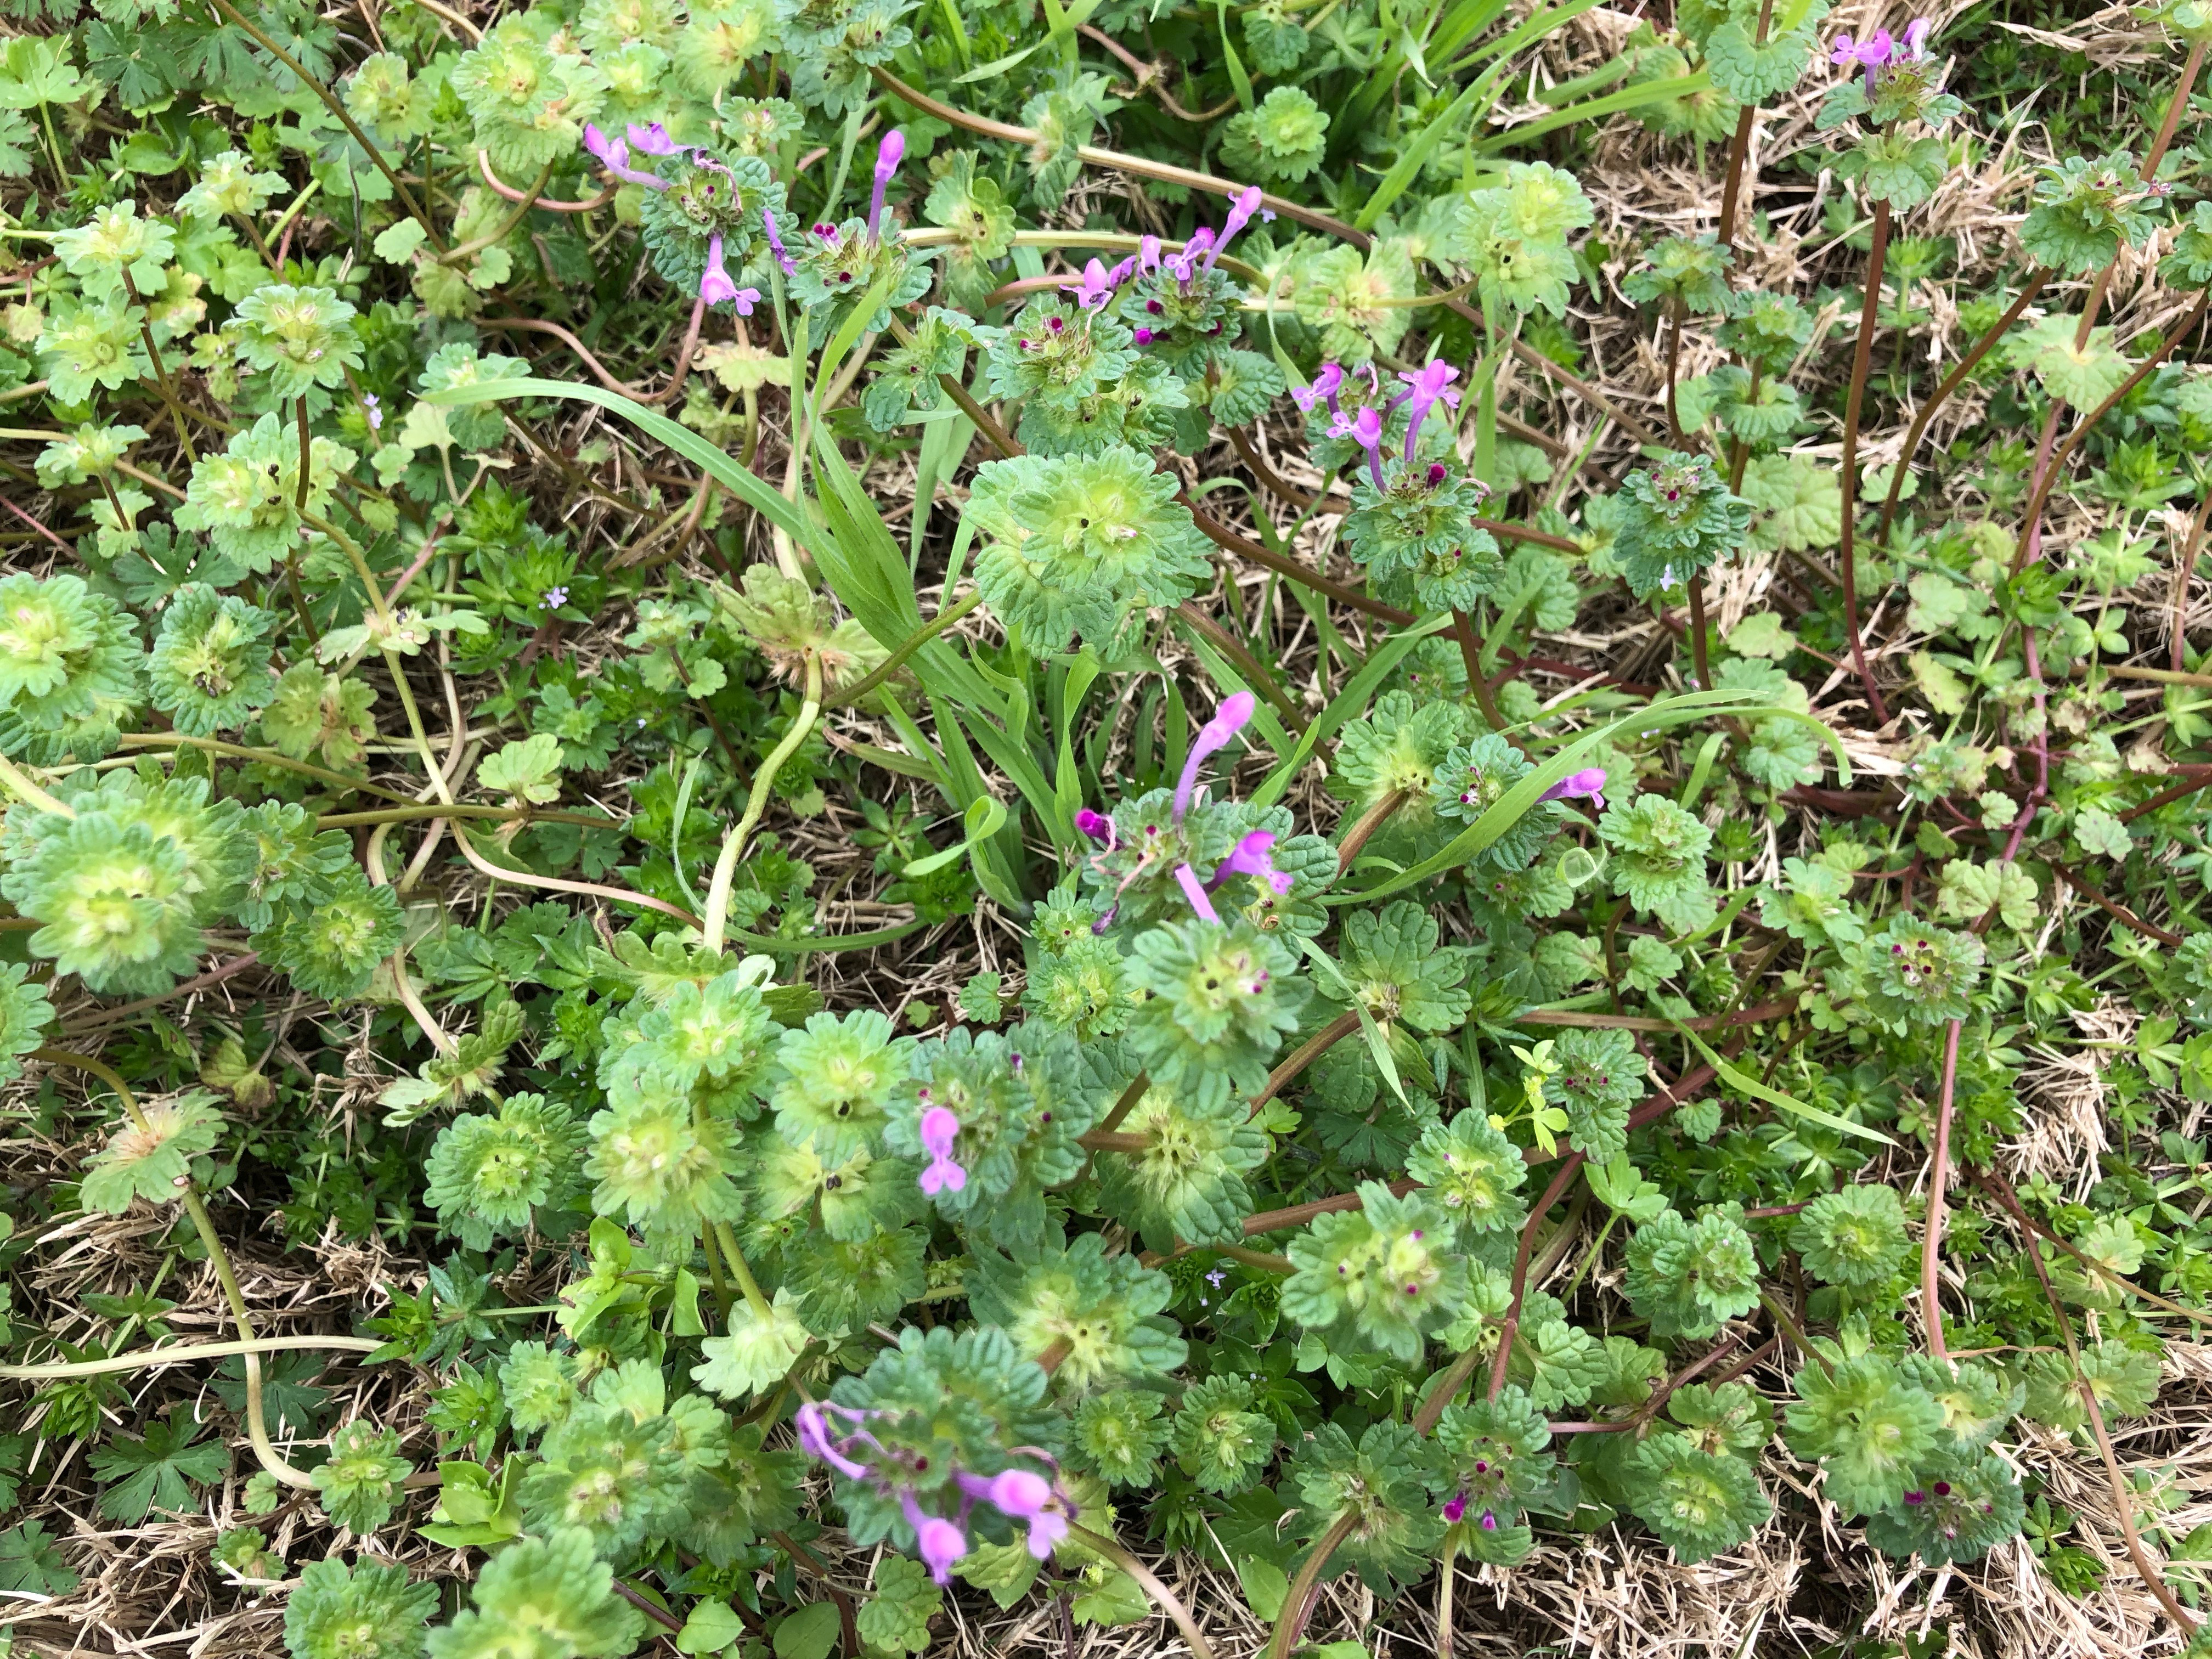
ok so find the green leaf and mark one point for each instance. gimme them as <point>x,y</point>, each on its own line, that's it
<point>714,1626</point>
<point>1758,1091</point>
<point>157,1471</point>
<point>808,1633</point>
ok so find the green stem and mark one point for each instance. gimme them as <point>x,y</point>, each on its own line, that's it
<point>260,757</point>
<point>716,922</point>
<point>441,810</point>
<point>256,1428</point>
<point>1165,1599</point>
<point>146,1358</point>
<point>23,789</point>
<point>747,1284</point>
<point>478,245</point>
<point>438,778</point>
<point>897,660</point>
<point>337,107</point>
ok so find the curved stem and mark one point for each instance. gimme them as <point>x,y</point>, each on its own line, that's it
<point>1165,1599</point>
<point>118,1364</point>
<point>500,186</point>
<point>23,789</point>
<point>1297,1607</point>
<point>726,867</point>
<point>747,1284</point>
<point>256,1428</point>
<point>929,630</point>
<point>2032,521</point>
<point>1848,475</point>
<point>1369,821</point>
<point>336,105</point>
<point>1950,384</point>
<point>523,203</point>
<point>2123,1499</point>
<point>1306,1053</point>
<point>1939,1181</point>
<point>1511,1327</point>
<point>562,885</point>
<point>260,757</point>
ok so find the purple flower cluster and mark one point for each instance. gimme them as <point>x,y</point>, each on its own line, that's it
<point>716,286</point>
<point>1425,387</point>
<point>838,1436</point>
<point>1880,49</point>
<point>1198,257</point>
<point>1253,855</point>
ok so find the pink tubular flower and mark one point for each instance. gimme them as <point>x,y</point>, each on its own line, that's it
<point>1254,856</point>
<point>941,1544</point>
<point>1193,890</point>
<point>816,1440</point>
<point>651,138</point>
<point>1228,721</point>
<point>1367,431</point>
<point>1455,1507</point>
<point>1021,1496</point>
<point>715,286</point>
<point>1097,825</point>
<point>1914,44</point>
<point>889,155</point>
<point>1094,286</point>
<point>775,243</point>
<point>1148,254</point>
<point>1326,381</point>
<point>1585,785</point>
<point>1430,385</point>
<point>613,155</point>
<point>1240,214</point>
<point>938,1126</point>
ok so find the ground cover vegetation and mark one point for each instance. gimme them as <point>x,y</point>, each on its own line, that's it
<point>908,826</point>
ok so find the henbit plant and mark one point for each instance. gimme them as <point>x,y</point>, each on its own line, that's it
<point>1624,1093</point>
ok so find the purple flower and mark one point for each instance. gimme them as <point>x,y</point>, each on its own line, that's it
<point>1022,1496</point>
<point>1148,254</point>
<point>1455,1507</point>
<point>1366,431</point>
<point>1240,214</point>
<point>1583,785</point>
<point>375,412</point>
<point>1228,721</point>
<point>889,155</point>
<point>775,243</point>
<point>1916,40</point>
<point>1141,335</point>
<point>715,286</point>
<point>942,1543</point>
<point>1328,379</point>
<point>1870,53</point>
<point>1195,893</point>
<point>651,139</point>
<point>1254,856</point>
<point>1097,825</point>
<point>816,1440</point>
<point>613,155</point>
<point>1489,1522</point>
<point>1430,383</point>
<point>1094,289</point>
<point>938,1126</point>
<point>744,300</point>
